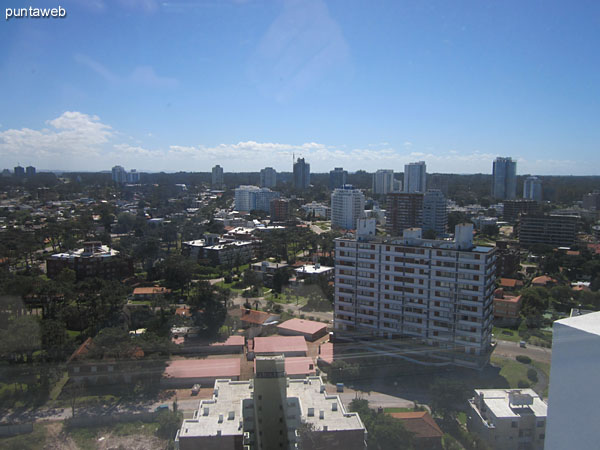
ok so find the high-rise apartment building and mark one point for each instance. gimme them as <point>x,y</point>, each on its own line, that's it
<point>435,212</point>
<point>347,206</point>
<point>427,300</point>
<point>403,210</point>
<point>512,209</point>
<point>30,171</point>
<point>19,172</point>
<point>279,209</point>
<point>573,396</point>
<point>532,189</point>
<point>301,174</point>
<point>592,200</point>
<point>415,177</point>
<point>268,177</point>
<point>337,178</point>
<point>250,198</point>
<point>383,181</point>
<point>119,174</point>
<point>217,180</point>
<point>504,179</point>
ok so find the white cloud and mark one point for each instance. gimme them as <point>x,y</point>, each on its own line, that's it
<point>73,133</point>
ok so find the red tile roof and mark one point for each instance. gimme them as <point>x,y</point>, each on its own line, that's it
<point>326,352</point>
<point>510,282</point>
<point>203,368</point>
<point>231,340</point>
<point>279,344</point>
<point>420,423</point>
<point>254,316</point>
<point>543,280</point>
<point>154,290</point>
<point>302,326</point>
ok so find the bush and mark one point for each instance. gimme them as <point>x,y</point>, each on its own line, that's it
<point>524,359</point>
<point>523,384</point>
<point>532,375</point>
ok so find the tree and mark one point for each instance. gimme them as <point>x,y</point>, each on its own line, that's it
<point>209,307</point>
<point>447,396</point>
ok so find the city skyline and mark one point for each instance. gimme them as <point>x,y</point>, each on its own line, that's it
<point>187,85</point>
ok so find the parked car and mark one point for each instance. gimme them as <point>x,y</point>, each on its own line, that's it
<point>160,408</point>
<point>522,344</point>
<point>195,389</point>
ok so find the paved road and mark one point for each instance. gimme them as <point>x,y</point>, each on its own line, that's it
<point>512,349</point>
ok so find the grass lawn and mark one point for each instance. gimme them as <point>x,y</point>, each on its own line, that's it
<point>58,386</point>
<point>462,418</point>
<point>73,334</point>
<point>87,437</point>
<point>506,334</point>
<point>29,441</point>
<point>286,298</point>
<point>513,371</point>
<point>395,410</point>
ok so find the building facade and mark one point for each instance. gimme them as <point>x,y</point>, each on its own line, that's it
<point>337,178</point>
<point>268,177</point>
<point>554,230</point>
<point>301,174</point>
<point>403,210</point>
<point>409,292</point>
<point>532,189</point>
<point>504,179</point>
<point>415,175</point>
<point>347,206</point>
<point>509,419</point>
<point>435,212</point>
<point>250,198</point>
<point>217,178</point>
<point>573,394</point>
<point>514,208</point>
<point>279,209</point>
<point>383,181</point>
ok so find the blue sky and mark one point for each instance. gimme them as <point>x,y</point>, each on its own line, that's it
<point>185,84</point>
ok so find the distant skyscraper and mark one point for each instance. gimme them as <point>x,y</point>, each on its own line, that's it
<point>383,181</point>
<point>337,178</point>
<point>268,177</point>
<point>119,175</point>
<point>30,171</point>
<point>19,172</point>
<point>435,212</point>
<point>133,176</point>
<point>415,177</point>
<point>403,210</point>
<point>532,189</point>
<point>347,206</point>
<point>301,174</point>
<point>504,184</point>
<point>217,180</point>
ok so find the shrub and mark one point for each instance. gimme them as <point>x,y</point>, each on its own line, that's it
<point>532,375</point>
<point>524,359</point>
<point>523,384</point>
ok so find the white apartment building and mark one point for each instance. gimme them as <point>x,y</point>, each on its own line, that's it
<point>347,206</point>
<point>415,177</point>
<point>509,418</point>
<point>249,198</point>
<point>417,299</point>
<point>318,209</point>
<point>383,181</point>
<point>573,395</point>
<point>267,413</point>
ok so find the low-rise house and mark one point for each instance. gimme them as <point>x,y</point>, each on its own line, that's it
<point>256,322</point>
<point>508,418</point>
<point>510,284</point>
<point>148,293</point>
<point>308,329</point>
<point>426,432</point>
<point>267,270</point>
<point>507,308</point>
<point>543,281</point>
<point>314,271</point>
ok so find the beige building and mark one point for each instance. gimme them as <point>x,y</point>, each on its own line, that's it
<point>271,412</point>
<point>508,418</point>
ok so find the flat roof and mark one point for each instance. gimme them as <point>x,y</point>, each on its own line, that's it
<point>203,368</point>
<point>497,402</point>
<point>280,344</point>
<point>231,340</point>
<point>590,323</point>
<point>298,365</point>
<point>302,326</point>
<point>311,268</point>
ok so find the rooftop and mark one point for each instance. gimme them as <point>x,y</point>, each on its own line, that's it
<point>420,423</point>
<point>299,365</point>
<point>302,326</point>
<point>203,368</point>
<point>280,344</point>
<point>497,402</point>
<point>590,323</point>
